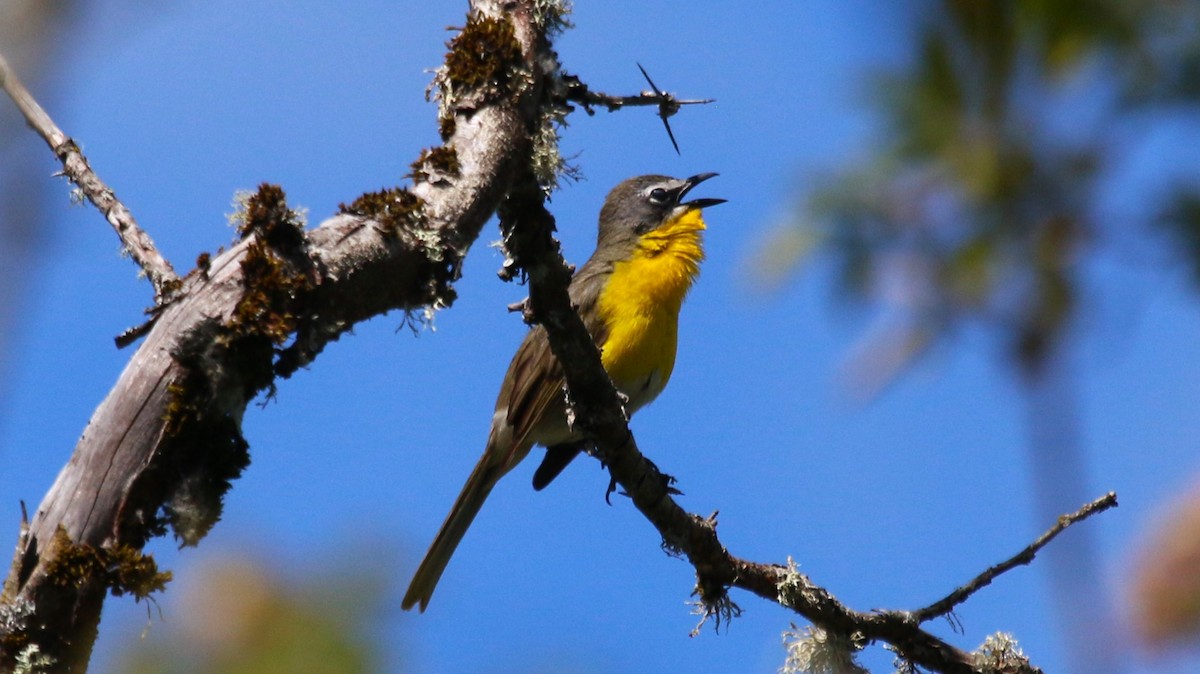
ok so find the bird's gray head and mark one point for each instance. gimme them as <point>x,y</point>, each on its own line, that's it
<point>642,204</point>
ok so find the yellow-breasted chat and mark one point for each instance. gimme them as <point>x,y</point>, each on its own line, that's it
<point>629,293</point>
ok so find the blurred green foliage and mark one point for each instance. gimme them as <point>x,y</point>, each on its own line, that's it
<point>234,616</point>
<point>1182,218</point>
<point>983,199</point>
<point>977,205</point>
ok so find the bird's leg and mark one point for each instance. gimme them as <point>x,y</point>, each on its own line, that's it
<point>667,481</point>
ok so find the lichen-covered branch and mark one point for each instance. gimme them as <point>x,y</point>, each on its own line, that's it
<point>75,166</point>
<point>161,449</point>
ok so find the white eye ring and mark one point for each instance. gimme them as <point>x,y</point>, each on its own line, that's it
<point>658,195</point>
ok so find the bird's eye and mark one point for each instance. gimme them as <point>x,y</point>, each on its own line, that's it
<point>658,195</point>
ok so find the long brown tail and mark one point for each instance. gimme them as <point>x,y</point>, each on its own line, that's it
<point>465,508</point>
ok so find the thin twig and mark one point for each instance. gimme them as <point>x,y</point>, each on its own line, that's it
<point>578,92</point>
<point>946,605</point>
<point>667,103</point>
<point>75,166</point>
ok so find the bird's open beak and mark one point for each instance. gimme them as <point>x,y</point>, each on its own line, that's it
<point>697,203</point>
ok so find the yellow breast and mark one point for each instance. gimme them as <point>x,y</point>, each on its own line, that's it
<point>640,305</point>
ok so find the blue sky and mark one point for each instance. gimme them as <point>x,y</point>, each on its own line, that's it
<point>889,503</point>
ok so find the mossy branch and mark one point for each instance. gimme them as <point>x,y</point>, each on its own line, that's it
<point>164,446</point>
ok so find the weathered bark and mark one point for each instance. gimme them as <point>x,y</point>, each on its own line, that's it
<point>163,445</point>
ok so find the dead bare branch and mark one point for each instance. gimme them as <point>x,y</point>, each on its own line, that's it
<point>958,596</point>
<point>135,241</point>
<point>668,104</point>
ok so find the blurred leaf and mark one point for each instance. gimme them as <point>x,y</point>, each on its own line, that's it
<point>1165,593</point>
<point>971,270</point>
<point>1047,313</point>
<point>1065,32</point>
<point>783,253</point>
<point>233,616</point>
<point>927,105</point>
<point>966,193</point>
<point>1182,221</point>
<point>988,46</point>
<point>1162,66</point>
<point>884,352</point>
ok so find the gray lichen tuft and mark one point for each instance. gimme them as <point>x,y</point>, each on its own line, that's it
<point>548,162</point>
<point>31,660</point>
<point>551,15</point>
<point>812,650</point>
<point>999,654</point>
<point>14,625</point>
<point>793,587</point>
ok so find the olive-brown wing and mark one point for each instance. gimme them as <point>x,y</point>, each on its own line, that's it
<point>533,386</point>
